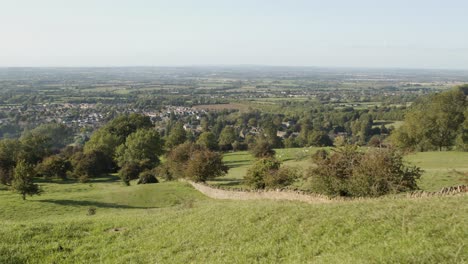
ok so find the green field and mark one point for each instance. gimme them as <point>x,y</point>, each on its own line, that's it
<point>172,223</point>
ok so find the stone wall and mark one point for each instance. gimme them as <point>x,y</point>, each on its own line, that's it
<point>287,195</point>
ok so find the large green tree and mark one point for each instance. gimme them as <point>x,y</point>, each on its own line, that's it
<point>227,137</point>
<point>142,147</point>
<point>208,140</point>
<point>176,136</point>
<point>433,122</point>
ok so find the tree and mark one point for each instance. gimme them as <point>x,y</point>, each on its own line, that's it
<point>34,148</point>
<point>256,174</point>
<point>88,165</point>
<point>54,166</point>
<point>204,165</point>
<point>193,162</point>
<point>58,135</point>
<point>319,139</point>
<point>129,171</point>
<point>434,122</point>
<point>177,136</point>
<point>125,125</point>
<point>462,138</point>
<point>208,139</point>
<point>142,147</point>
<point>9,149</point>
<point>178,157</point>
<point>227,137</point>
<point>113,134</point>
<point>262,149</point>
<point>22,183</point>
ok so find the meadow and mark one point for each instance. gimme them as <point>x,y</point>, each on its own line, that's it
<point>171,222</point>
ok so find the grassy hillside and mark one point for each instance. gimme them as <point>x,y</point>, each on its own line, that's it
<point>172,223</point>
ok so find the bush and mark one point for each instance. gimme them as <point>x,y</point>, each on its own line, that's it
<point>284,176</point>
<point>129,171</point>
<point>91,211</point>
<point>164,171</point>
<point>256,174</point>
<point>54,166</point>
<point>194,162</point>
<point>349,172</point>
<point>204,165</point>
<point>147,177</point>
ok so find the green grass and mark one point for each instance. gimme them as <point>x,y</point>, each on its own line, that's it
<point>172,223</point>
<point>441,169</point>
<point>239,162</point>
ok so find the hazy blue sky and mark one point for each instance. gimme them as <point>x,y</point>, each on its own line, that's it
<point>356,33</point>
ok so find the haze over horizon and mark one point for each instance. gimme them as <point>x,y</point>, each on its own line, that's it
<point>364,34</point>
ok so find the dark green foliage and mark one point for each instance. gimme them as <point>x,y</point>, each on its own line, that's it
<point>282,177</point>
<point>319,139</point>
<point>434,122</point>
<point>262,149</point>
<point>125,125</point>
<point>22,182</point>
<point>147,177</point>
<point>57,135</point>
<point>164,171</point>
<point>54,166</point>
<point>256,174</point>
<point>227,137</point>
<point>204,165</point>
<point>194,162</point>
<point>178,157</point>
<point>129,171</point>
<point>88,165</point>
<point>113,134</point>
<point>9,149</point>
<point>208,140</point>
<point>350,172</point>
<point>142,147</point>
<point>34,148</point>
<point>177,136</point>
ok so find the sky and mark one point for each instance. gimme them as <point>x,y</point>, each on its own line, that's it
<point>322,33</point>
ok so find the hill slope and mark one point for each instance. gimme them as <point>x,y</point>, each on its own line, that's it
<point>173,223</point>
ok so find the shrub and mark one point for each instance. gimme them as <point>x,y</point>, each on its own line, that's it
<point>129,171</point>
<point>204,165</point>
<point>284,176</point>
<point>91,211</point>
<point>164,171</point>
<point>349,172</point>
<point>256,174</point>
<point>54,166</point>
<point>147,177</point>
